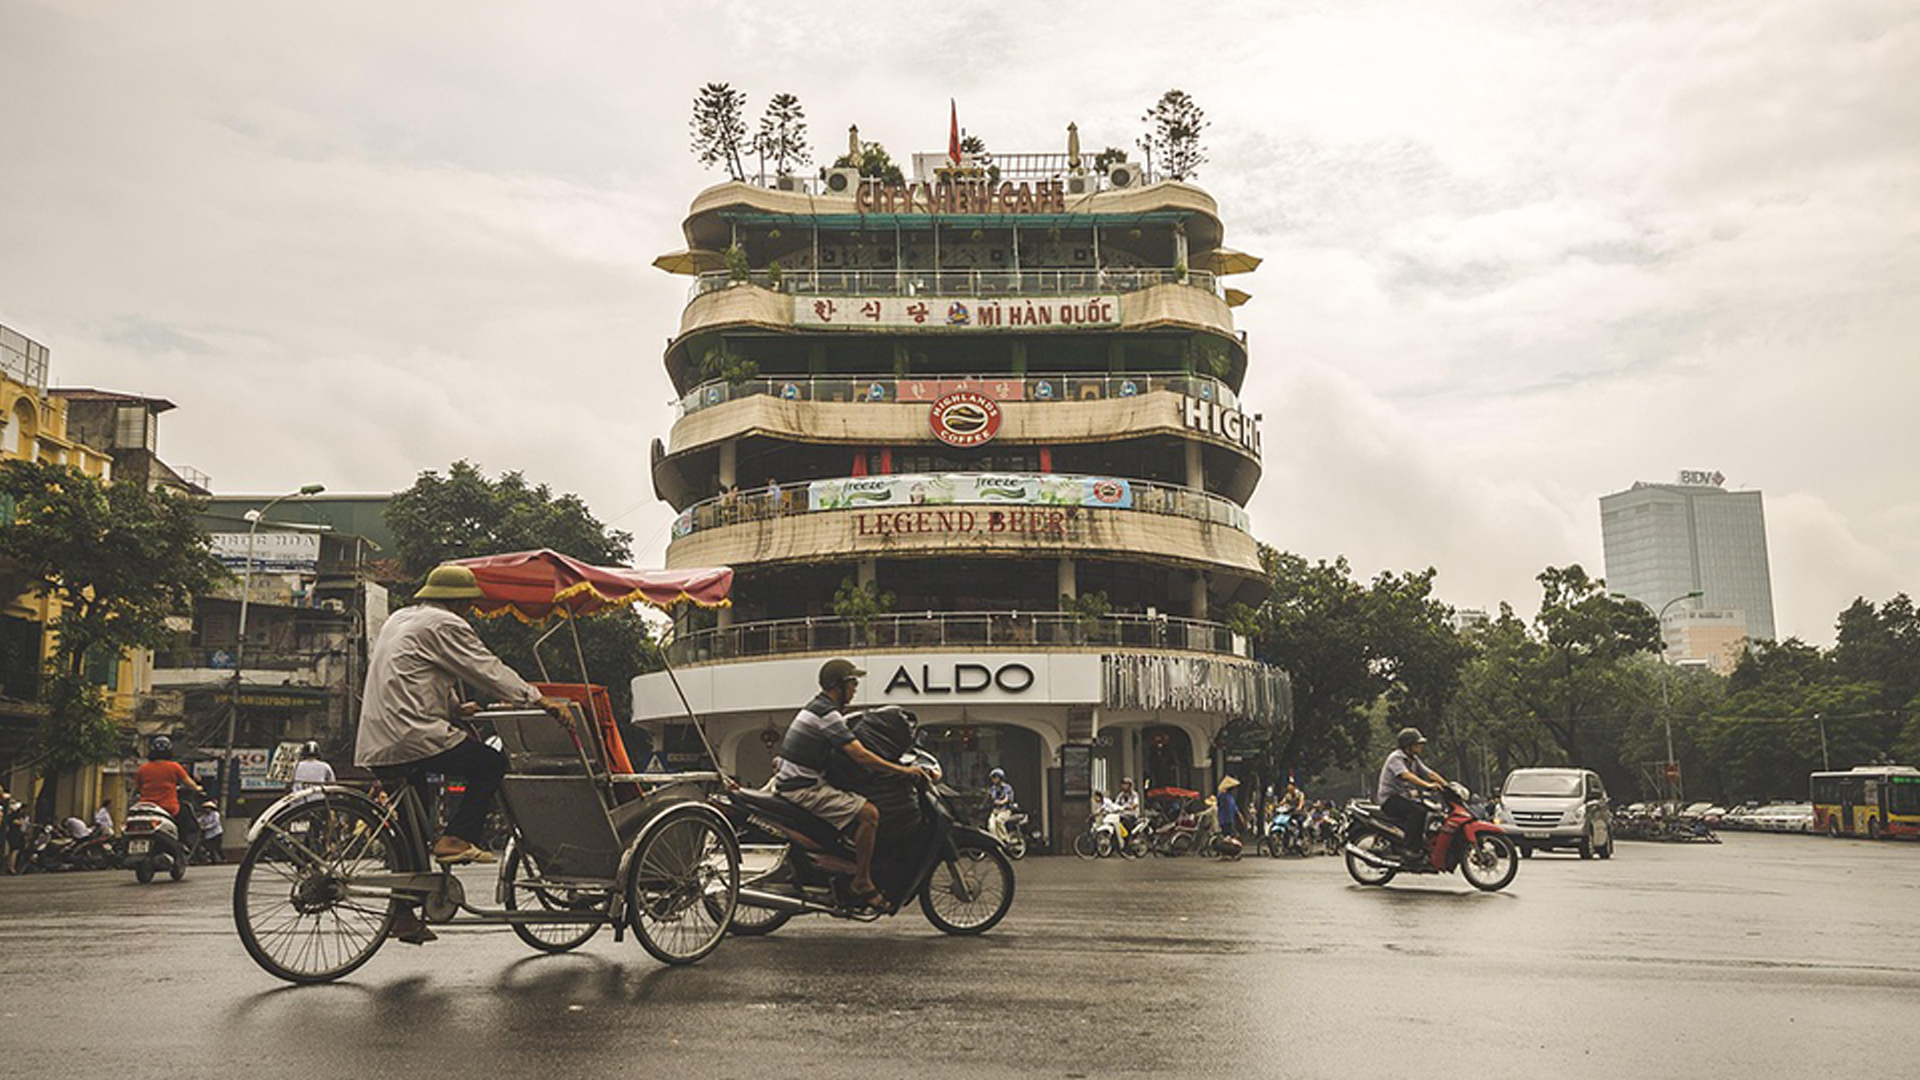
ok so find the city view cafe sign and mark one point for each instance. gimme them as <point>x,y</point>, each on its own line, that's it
<point>961,197</point>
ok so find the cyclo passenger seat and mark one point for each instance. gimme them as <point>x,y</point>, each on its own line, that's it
<point>816,832</point>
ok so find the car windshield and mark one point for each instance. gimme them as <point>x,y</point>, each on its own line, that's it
<point>1542,784</point>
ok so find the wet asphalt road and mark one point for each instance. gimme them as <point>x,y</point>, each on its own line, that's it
<point>1764,956</point>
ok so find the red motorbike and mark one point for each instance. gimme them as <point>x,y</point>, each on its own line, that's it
<point>1480,849</point>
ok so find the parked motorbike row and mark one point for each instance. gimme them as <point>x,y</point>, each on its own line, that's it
<point>150,845</point>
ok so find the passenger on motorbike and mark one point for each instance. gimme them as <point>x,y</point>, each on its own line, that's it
<point>819,731</point>
<point>1401,778</point>
<point>1294,801</point>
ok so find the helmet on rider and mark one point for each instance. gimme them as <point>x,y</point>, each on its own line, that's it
<point>310,749</point>
<point>836,671</point>
<point>160,749</point>
<point>1410,737</point>
<point>997,774</point>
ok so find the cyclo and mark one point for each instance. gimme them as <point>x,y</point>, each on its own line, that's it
<point>591,843</point>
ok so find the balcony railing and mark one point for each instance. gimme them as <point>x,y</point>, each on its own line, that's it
<point>971,629</point>
<point>1039,282</point>
<point>1140,497</point>
<point>888,390</point>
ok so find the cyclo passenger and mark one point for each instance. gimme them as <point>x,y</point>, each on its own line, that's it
<point>423,654</point>
<point>817,732</point>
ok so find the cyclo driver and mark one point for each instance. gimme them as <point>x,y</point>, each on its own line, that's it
<point>1402,773</point>
<point>817,731</point>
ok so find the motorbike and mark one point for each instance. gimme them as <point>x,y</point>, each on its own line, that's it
<point>155,844</point>
<point>1285,834</point>
<point>100,851</point>
<point>1323,830</point>
<point>793,863</point>
<point>1481,850</point>
<point>1012,828</point>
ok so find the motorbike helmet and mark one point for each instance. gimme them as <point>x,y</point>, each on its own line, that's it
<point>836,671</point>
<point>310,749</point>
<point>1410,737</point>
<point>160,748</point>
<point>997,774</point>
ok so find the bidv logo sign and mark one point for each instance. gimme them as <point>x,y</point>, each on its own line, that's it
<point>964,418</point>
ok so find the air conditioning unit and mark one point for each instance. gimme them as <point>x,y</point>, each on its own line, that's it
<point>842,181</point>
<point>789,183</point>
<point>1082,184</point>
<point>1125,174</point>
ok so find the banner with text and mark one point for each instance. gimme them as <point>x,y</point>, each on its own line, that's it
<point>955,313</point>
<point>271,551</point>
<point>863,492</point>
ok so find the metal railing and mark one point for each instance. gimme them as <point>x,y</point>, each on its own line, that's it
<point>969,629</point>
<point>762,504</point>
<point>1004,168</point>
<point>888,390</point>
<point>1038,282</point>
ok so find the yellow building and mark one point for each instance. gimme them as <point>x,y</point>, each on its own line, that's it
<point>35,429</point>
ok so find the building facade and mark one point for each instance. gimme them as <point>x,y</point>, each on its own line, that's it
<point>980,432</point>
<point>1663,541</point>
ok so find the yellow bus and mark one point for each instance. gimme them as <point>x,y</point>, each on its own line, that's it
<point>1867,800</point>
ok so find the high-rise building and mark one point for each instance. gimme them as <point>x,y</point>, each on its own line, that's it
<point>979,431</point>
<point>1663,541</point>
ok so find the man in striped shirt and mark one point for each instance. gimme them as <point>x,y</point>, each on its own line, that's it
<point>817,733</point>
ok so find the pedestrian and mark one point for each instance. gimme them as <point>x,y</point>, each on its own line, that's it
<point>211,831</point>
<point>311,770</point>
<point>103,819</point>
<point>13,831</point>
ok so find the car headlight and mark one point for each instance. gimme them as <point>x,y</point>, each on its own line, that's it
<point>1578,815</point>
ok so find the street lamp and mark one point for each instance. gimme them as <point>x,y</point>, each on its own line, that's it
<point>1666,715</point>
<point>227,778</point>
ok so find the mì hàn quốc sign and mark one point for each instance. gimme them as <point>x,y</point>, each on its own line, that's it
<point>955,313</point>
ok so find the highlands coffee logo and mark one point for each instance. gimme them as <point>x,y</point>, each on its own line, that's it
<point>964,418</point>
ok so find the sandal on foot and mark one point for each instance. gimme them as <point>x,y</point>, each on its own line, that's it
<point>875,900</point>
<point>472,853</point>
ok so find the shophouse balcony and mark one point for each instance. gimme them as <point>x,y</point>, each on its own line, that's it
<point>1079,281</point>
<point>1041,389</point>
<point>954,630</point>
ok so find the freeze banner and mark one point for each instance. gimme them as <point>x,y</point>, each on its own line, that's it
<point>862,492</point>
<point>955,312</point>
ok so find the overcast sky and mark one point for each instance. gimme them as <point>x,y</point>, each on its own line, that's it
<point>1517,255</point>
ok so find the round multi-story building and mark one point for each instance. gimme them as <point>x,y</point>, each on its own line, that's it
<point>979,432</point>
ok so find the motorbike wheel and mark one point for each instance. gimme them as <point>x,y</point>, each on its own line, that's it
<point>1489,865</point>
<point>1181,844</point>
<point>177,869</point>
<point>1270,847</point>
<point>970,894</point>
<point>547,937</point>
<point>1016,846</point>
<point>684,886</point>
<point>1103,845</point>
<point>1137,846</point>
<point>290,899</point>
<point>143,871</point>
<point>1083,845</point>
<point>1365,872</point>
<point>93,857</point>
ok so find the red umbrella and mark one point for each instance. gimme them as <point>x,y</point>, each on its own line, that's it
<point>532,585</point>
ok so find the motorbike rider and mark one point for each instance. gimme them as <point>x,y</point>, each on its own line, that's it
<point>1294,801</point>
<point>159,782</point>
<point>1400,778</point>
<point>1126,803</point>
<point>999,803</point>
<point>817,732</point>
<point>311,770</point>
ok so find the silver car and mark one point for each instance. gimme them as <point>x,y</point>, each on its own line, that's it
<point>1557,808</point>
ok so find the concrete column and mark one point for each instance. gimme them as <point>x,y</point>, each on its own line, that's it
<point>1116,356</point>
<point>867,572</point>
<point>1064,575</point>
<point>1179,247</point>
<point>1197,596</point>
<point>1196,467</point>
<point>1019,357</point>
<point>724,617</point>
<point>729,464</point>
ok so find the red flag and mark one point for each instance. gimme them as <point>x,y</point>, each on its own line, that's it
<point>953,132</point>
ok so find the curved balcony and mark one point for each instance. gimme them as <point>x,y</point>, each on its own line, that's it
<point>902,490</point>
<point>945,630</point>
<point>1073,281</point>
<point>1038,389</point>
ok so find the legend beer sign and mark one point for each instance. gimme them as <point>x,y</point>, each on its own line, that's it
<point>1222,421</point>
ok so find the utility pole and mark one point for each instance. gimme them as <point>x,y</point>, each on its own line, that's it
<point>1825,764</point>
<point>228,779</point>
<point>1671,780</point>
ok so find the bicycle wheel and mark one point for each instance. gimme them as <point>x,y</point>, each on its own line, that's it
<point>1083,845</point>
<point>293,899</point>
<point>684,861</point>
<point>972,893</point>
<point>548,937</point>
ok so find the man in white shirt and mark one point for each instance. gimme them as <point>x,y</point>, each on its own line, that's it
<point>311,770</point>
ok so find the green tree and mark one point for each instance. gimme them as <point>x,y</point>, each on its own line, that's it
<point>1173,133</point>
<point>874,163</point>
<point>464,514</point>
<point>119,559</point>
<point>720,128</point>
<point>782,137</point>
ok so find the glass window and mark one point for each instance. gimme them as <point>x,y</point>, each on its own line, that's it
<point>1548,785</point>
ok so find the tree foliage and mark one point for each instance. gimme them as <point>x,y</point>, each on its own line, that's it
<point>119,559</point>
<point>720,128</point>
<point>463,514</point>
<point>1174,125</point>
<point>782,137</point>
<point>874,163</point>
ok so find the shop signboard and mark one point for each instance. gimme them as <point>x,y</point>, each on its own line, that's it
<point>1076,772</point>
<point>955,313</point>
<point>876,492</point>
<point>285,757</point>
<point>272,552</point>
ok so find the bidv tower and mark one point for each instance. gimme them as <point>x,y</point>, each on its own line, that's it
<point>979,431</point>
